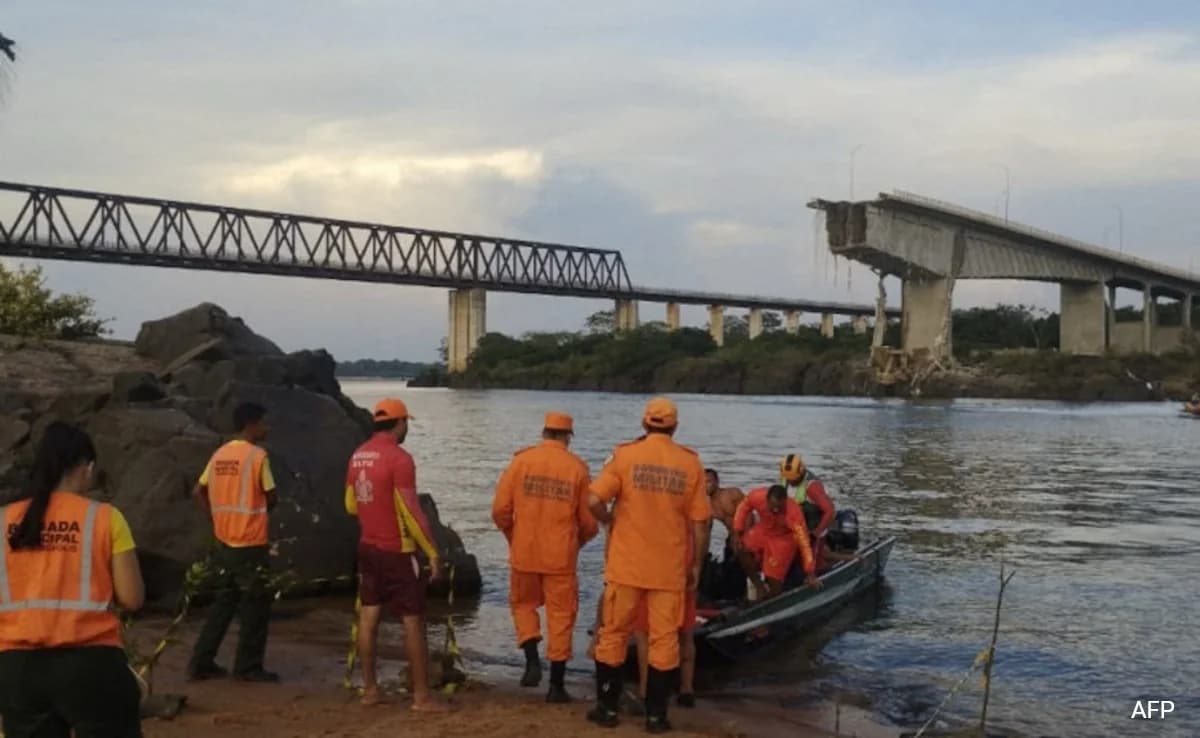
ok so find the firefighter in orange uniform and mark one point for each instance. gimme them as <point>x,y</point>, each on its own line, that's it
<point>541,507</point>
<point>66,560</point>
<point>769,546</point>
<point>658,488</point>
<point>238,489</point>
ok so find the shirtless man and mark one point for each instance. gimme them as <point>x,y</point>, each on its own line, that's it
<point>724,500</point>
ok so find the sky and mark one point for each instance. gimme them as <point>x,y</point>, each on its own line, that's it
<point>688,134</point>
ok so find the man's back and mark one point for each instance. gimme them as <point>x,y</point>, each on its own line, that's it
<point>782,523</point>
<point>541,502</point>
<point>381,489</point>
<point>658,486</point>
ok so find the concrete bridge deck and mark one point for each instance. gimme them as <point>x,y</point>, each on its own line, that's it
<point>930,244</point>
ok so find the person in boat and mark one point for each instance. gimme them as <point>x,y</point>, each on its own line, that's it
<point>724,500</point>
<point>768,545</point>
<point>809,493</point>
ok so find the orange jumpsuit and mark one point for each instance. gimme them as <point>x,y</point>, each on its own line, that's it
<point>541,507</point>
<point>775,538</point>
<point>659,489</point>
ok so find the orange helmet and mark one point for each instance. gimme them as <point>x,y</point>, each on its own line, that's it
<point>791,467</point>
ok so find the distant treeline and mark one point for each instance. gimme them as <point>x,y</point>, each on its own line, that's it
<point>388,369</point>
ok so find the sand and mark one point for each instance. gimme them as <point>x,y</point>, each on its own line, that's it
<point>309,654</point>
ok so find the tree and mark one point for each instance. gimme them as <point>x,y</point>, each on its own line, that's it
<point>771,321</point>
<point>6,47</point>
<point>602,322</point>
<point>29,308</point>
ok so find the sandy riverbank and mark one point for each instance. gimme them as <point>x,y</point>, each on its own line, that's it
<point>308,648</point>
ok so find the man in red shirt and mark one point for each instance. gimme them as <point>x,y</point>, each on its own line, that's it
<point>770,545</point>
<point>381,490</point>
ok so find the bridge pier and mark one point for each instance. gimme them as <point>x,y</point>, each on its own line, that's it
<point>827,325</point>
<point>1188,307</point>
<point>626,316</point>
<point>860,325</point>
<point>755,323</point>
<point>468,323</point>
<point>1149,318</point>
<point>925,316</point>
<point>716,324</point>
<point>673,316</point>
<point>1082,318</point>
<point>792,321</point>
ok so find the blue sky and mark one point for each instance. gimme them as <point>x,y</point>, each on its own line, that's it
<point>687,134</point>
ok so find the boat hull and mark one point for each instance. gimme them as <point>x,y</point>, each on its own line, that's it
<point>739,632</point>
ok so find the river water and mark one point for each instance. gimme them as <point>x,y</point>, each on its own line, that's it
<point>1097,507</point>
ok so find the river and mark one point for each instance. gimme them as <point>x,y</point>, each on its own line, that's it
<point>1097,507</point>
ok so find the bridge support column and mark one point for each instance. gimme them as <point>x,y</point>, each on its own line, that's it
<point>1149,318</point>
<point>672,316</point>
<point>716,324</point>
<point>755,323</point>
<point>925,316</point>
<point>1112,317</point>
<point>1082,318</point>
<point>1189,304</point>
<point>792,321</point>
<point>468,323</point>
<point>860,325</point>
<point>827,325</point>
<point>626,316</point>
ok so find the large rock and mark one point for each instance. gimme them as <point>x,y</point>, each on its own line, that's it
<point>157,414</point>
<point>467,579</point>
<point>170,338</point>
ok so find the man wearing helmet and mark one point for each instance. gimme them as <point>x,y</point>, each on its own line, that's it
<point>809,494</point>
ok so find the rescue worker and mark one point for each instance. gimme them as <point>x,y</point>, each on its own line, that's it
<point>66,560</point>
<point>809,493</point>
<point>541,507</point>
<point>769,546</point>
<point>657,486</point>
<point>237,489</point>
<point>381,491</point>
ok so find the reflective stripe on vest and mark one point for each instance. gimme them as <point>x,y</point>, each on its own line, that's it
<point>245,487</point>
<point>84,603</point>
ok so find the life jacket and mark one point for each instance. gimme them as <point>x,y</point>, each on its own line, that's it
<point>812,513</point>
<point>58,596</point>
<point>239,505</point>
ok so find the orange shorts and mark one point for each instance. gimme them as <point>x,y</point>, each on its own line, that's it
<point>642,623</point>
<point>775,552</point>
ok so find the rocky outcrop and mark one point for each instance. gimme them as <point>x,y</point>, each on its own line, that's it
<point>158,409</point>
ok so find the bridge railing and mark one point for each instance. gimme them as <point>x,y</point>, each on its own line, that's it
<point>47,222</point>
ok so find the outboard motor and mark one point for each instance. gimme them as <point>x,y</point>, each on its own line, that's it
<point>843,534</point>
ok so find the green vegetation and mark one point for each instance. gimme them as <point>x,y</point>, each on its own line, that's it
<point>385,369</point>
<point>1003,351</point>
<point>29,308</point>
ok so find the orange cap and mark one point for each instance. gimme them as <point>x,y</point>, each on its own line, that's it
<point>660,413</point>
<point>559,422</point>
<point>391,409</point>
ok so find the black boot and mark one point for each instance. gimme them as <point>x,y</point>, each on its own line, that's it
<point>658,687</point>
<point>558,691</point>
<point>608,696</point>
<point>533,665</point>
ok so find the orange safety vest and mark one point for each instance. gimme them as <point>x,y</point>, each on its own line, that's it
<point>239,505</point>
<point>58,596</point>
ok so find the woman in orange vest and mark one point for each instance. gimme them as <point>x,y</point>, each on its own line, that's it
<point>66,560</point>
